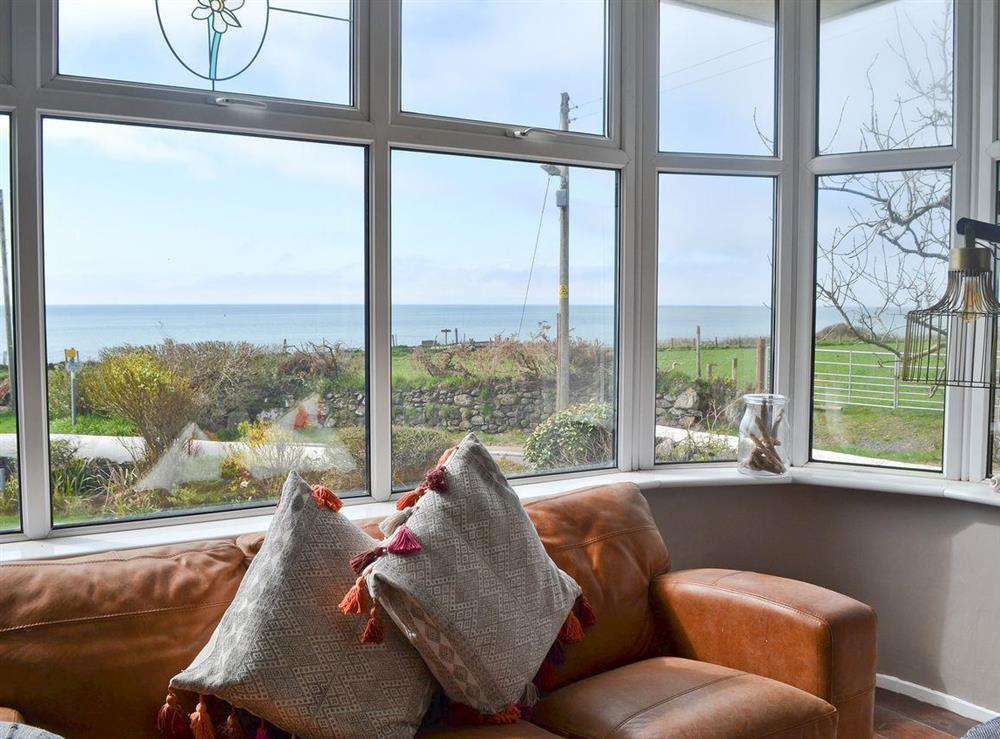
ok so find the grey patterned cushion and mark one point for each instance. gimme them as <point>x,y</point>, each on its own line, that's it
<point>481,601</point>
<point>989,730</point>
<point>283,650</point>
<point>23,731</point>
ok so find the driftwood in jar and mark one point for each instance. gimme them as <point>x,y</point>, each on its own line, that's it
<point>765,457</point>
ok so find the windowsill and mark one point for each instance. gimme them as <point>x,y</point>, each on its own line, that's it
<point>889,481</point>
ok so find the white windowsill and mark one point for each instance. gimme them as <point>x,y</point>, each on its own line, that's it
<point>892,481</point>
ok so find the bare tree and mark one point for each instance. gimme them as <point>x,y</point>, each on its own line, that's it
<point>885,257</point>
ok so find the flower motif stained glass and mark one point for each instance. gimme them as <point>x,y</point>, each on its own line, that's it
<point>292,49</point>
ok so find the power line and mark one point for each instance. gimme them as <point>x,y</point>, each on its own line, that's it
<point>534,254</point>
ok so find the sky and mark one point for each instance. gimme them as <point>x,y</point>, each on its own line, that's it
<point>143,215</point>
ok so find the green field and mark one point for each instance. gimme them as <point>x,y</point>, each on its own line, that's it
<point>902,435</point>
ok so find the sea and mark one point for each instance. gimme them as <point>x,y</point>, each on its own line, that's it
<point>91,328</point>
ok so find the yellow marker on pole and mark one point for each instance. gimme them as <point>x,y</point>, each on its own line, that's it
<point>563,292</point>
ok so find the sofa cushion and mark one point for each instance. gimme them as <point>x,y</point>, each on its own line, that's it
<point>674,697</point>
<point>517,730</point>
<point>284,651</point>
<point>480,599</point>
<point>93,640</point>
<point>605,538</point>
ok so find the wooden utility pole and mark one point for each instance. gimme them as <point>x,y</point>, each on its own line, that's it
<point>761,364</point>
<point>562,323</point>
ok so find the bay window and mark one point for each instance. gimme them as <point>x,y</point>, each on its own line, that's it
<point>337,235</point>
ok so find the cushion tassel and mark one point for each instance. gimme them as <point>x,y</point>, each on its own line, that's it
<point>392,522</point>
<point>232,729</point>
<point>584,612</point>
<point>410,499</point>
<point>571,631</point>
<point>528,698</point>
<point>545,677</point>
<point>356,601</point>
<point>436,480</point>
<point>508,715</point>
<point>172,721</point>
<point>326,498</point>
<point>373,629</point>
<point>556,655</point>
<point>201,722</point>
<point>360,561</point>
<point>404,542</point>
<point>262,732</point>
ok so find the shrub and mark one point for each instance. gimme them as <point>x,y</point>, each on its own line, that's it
<point>10,497</point>
<point>577,436</point>
<point>139,387</point>
<point>693,449</point>
<point>415,449</point>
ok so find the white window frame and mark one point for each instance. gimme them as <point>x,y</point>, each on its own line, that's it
<point>30,90</point>
<point>373,120</point>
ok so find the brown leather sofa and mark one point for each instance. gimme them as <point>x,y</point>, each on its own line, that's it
<point>88,644</point>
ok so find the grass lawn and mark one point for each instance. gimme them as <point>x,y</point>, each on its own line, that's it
<point>85,425</point>
<point>911,437</point>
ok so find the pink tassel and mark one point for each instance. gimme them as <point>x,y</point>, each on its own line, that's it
<point>404,542</point>
<point>436,480</point>
<point>262,732</point>
<point>360,561</point>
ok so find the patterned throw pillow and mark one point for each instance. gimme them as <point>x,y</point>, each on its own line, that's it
<point>285,653</point>
<point>466,578</point>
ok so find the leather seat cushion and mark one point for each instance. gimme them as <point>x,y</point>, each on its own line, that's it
<point>519,730</point>
<point>683,699</point>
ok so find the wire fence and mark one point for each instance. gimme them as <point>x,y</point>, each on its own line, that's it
<point>869,379</point>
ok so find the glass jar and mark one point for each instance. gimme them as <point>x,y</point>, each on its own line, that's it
<point>763,447</point>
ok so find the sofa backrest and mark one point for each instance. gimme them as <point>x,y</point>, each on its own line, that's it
<point>88,644</point>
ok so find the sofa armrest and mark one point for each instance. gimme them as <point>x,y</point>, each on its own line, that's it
<point>11,716</point>
<point>817,640</point>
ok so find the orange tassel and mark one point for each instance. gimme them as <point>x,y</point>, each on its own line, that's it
<point>356,601</point>
<point>326,498</point>
<point>201,722</point>
<point>410,499</point>
<point>571,631</point>
<point>445,456</point>
<point>508,715</point>
<point>172,722</point>
<point>585,612</point>
<point>373,629</point>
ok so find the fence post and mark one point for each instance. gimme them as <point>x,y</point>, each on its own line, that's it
<point>711,370</point>
<point>734,372</point>
<point>761,364</point>
<point>850,375</point>
<point>895,385</point>
<point>697,352</point>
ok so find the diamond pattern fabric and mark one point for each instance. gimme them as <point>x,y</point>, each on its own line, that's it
<point>284,652</point>
<point>481,601</point>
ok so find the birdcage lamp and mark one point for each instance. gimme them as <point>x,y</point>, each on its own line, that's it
<point>953,342</point>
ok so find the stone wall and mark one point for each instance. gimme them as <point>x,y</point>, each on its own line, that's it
<point>498,407</point>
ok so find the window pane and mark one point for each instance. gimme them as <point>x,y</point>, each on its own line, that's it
<point>475,312</point>
<point>10,498</point>
<point>713,327</point>
<point>717,76</point>
<point>885,75</point>
<point>882,243</point>
<point>213,289</point>
<point>297,49</point>
<point>493,60</point>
